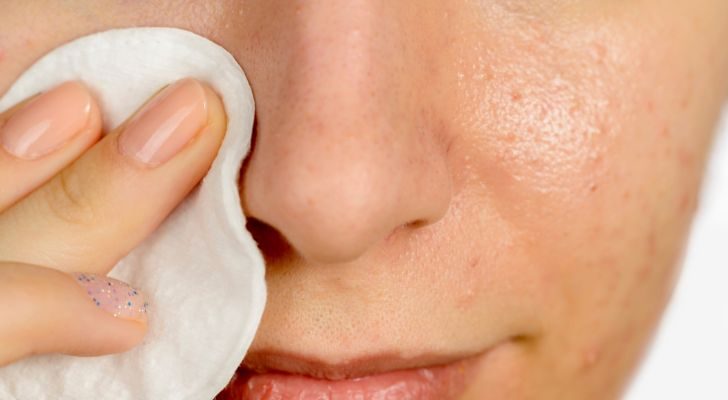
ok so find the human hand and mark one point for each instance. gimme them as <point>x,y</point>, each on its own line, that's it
<point>73,202</point>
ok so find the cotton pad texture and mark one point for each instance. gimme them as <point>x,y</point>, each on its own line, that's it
<point>201,270</point>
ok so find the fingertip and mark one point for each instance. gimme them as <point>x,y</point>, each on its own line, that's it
<point>113,337</point>
<point>47,311</point>
<point>92,130</point>
<point>211,136</point>
<point>217,118</point>
<point>94,126</point>
<point>178,118</point>
<point>112,313</point>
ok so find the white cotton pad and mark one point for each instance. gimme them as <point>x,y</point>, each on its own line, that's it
<point>201,271</point>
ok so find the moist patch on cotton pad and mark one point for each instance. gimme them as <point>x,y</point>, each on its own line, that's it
<point>201,270</point>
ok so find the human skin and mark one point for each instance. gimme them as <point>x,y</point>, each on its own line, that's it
<point>508,179</point>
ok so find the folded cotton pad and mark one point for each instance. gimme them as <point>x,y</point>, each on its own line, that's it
<point>201,270</point>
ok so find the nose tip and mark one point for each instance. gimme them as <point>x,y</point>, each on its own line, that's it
<point>335,210</point>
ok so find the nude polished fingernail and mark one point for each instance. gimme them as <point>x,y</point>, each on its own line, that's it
<point>166,124</point>
<point>114,296</point>
<point>47,122</point>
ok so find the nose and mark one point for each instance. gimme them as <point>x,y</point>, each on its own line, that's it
<point>348,147</point>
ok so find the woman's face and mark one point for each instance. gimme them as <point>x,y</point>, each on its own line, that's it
<point>508,182</point>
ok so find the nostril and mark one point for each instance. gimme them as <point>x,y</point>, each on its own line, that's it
<point>416,224</point>
<point>272,244</point>
<point>409,226</point>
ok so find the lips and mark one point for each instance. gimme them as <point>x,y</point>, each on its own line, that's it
<point>444,382</point>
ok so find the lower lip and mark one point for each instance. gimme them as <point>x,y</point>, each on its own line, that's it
<point>436,383</point>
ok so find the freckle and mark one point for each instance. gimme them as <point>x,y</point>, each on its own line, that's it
<point>626,195</point>
<point>516,96</point>
<point>474,262</point>
<point>593,187</point>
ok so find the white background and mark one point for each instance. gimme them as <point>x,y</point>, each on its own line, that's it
<point>689,357</point>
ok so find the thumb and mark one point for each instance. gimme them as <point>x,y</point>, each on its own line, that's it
<point>44,310</point>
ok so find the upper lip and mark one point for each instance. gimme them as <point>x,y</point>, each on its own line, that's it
<point>272,361</point>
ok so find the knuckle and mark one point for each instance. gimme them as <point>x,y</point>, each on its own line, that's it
<point>70,200</point>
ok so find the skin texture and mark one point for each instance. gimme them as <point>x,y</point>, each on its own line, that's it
<point>442,178</point>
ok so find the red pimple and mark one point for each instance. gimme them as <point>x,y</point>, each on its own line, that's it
<point>650,106</point>
<point>685,158</point>
<point>684,103</point>
<point>683,207</point>
<point>665,131</point>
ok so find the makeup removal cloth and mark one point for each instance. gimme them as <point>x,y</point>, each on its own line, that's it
<point>201,270</point>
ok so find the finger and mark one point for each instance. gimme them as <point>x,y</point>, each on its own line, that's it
<point>42,135</point>
<point>43,310</point>
<point>100,207</point>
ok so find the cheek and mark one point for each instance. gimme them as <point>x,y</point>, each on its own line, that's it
<point>567,142</point>
<point>579,144</point>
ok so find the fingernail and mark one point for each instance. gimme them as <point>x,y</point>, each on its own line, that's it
<point>114,296</point>
<point>164,126</point>
<point>47,122</point>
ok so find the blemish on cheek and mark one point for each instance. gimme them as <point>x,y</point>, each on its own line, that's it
<point>466,300</point>
<point>685,158</point>
<point>665,132</point>
<point>650,106</point>
<point>652,243</point>
<point>684,103</point>
<point>589,358</point>
<point>599,52</point>
<point>686,205</point>
<point>2,54</point>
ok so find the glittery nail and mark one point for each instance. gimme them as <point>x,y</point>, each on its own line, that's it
<point>113,296</point>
